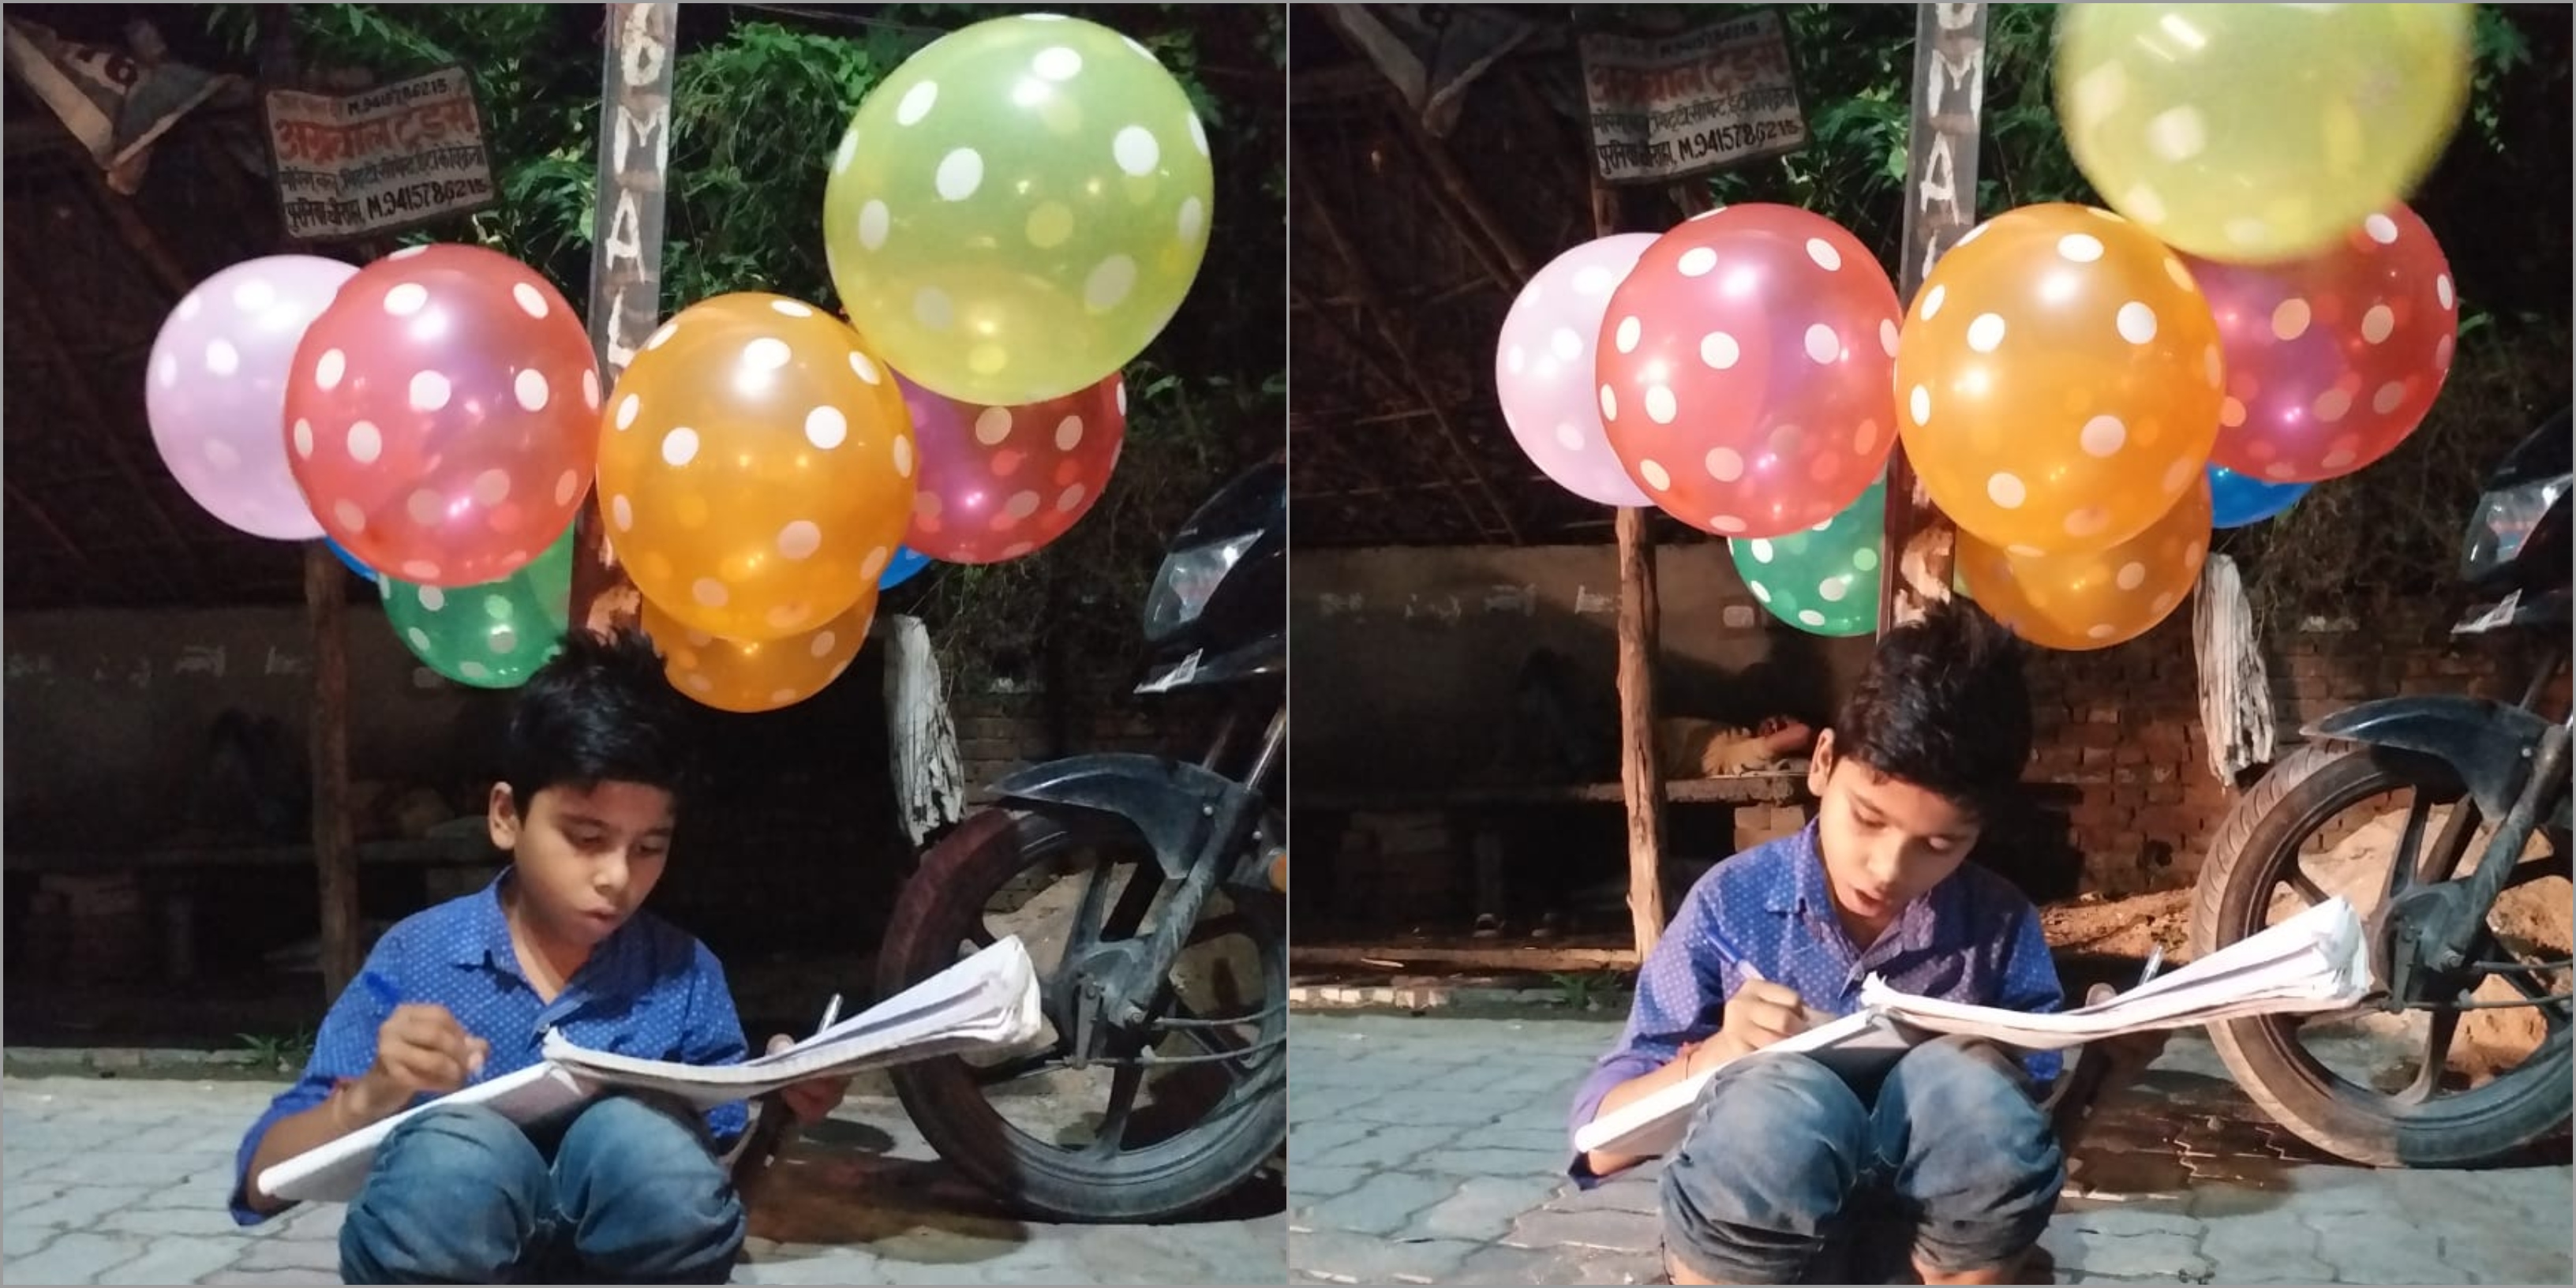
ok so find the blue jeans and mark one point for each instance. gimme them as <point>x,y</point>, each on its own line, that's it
<point>630,1194</point>
<point>1788,1171</point>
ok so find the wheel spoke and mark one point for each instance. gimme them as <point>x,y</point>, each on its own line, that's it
<point>1087,915</point>
<point>2437,1057</point>
<point>2403,865</point>
<point>1123,1086</point>
<point>1133,899</point>
<point>1013,1070</point>
<point>2299,880</point>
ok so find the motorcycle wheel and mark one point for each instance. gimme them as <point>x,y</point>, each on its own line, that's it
<point>1014,857</point>
<point>2257,853</point>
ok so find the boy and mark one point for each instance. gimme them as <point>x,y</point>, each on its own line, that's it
<point>1783,1159</point>
<point>629,1190</point>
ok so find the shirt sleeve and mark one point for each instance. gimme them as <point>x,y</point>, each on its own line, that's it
<point>2030,985</point>
<point>1679,995</point>
<point>344,1049</point>
<point>713,1036</point>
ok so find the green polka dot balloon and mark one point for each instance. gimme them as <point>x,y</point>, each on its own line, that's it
<point>492,636</point>
<point>1019,209</point>
<point>1824,581</point>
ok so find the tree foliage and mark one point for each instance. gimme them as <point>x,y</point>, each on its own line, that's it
<point>760,95</point>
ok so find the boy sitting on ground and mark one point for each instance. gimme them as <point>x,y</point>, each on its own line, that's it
<point>1784,1159</point>
<point>628,1190</point>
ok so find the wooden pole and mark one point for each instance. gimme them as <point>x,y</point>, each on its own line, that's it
<point>335,851</point>
<point>1641,780</point>
<point>626,259</point>
<point>1941,206</point>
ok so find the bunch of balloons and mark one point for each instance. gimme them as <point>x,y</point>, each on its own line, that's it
<point>2087,393</point>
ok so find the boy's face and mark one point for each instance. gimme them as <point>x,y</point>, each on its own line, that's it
<point>585,858</point>
<point>1886,842</point>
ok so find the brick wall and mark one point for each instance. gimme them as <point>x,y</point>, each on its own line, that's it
<point>1003,728</point>
<point>2120,729</point>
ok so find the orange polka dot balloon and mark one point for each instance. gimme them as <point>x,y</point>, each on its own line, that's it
<point>440,415</point>
<point>2058,381</point>
<point>2093,599</point>
<point>732,675</point>
<point>1742,368</point>
<point>998,483</point>
<point>756,468</point>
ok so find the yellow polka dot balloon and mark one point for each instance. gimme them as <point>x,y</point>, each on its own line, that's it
<point>734,675</point>
<point>1019,209</point>
<point>756,468</point>
<point>2058,381</point>
<point>2097,598</point>
<point>2259,133</point>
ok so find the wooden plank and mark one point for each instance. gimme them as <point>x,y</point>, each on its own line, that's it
<point>626,257</point>
<point>1781,788</point>
<point>335,856</point>
<point>1949,92</point>
<point>473,851</point>
<point>1486,957</point>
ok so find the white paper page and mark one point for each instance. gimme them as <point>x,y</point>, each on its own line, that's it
<point>1653,1124</point>
<point>333,1172</point>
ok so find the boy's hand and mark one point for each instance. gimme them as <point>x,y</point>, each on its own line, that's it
<point>420,1048</point>
<point>814,1101</point>
<point>1759,1014</point>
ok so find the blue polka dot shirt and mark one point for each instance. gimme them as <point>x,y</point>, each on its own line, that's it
<point>1973,938</point>
<point>649,990</point>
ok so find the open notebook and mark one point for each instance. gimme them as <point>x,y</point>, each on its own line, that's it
<point>988,1001</point>
<point>2316,961</point>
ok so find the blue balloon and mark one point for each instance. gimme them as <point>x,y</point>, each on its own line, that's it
<point>907,561</point>
<point>2235,500</point>
<point>350,559</point>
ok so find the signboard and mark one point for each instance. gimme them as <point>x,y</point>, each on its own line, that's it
<point>1669,107</point>
<point>349,166</point>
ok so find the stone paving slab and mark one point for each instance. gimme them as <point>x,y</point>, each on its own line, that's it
<point>116,1181</point>
<point>2184,1181</point>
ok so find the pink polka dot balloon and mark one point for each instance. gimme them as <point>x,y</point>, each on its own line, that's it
<point>2333,360</point>
<point>998,483</point>
<point>442,415</point>
<point>1744,370</point>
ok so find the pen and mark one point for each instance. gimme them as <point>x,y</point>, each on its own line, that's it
<point>2155,962</point>
<point>751,1169</point>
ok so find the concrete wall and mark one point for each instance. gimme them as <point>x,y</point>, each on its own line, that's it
<point>1406,659</point>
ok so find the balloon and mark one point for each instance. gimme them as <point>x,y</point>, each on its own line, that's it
<point>2099,598</point>
<point>755,467</point>
<point>2235,500</point>
<point>1543,369</point>
<point>2259,132</point>
<point>1743,369</point>
<point>216,398</point>
<point>2059,376</point>
<point>1824,580</point>
<point>733,675</point>
<point>442,415</point>
<point>1019,209</point>
<point>2332,361</point>
<point>1000,482</point>
<point>907,561</point>
<point>492,636</point>
<point>355,564</point>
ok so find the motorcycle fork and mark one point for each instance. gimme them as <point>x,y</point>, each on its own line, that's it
<point>1138,989</point>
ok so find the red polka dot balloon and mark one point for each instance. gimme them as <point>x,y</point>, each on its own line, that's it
<point>2332,361</point>
<point>998,483</point>
<point>442,415</point>
<point>1744,370</point>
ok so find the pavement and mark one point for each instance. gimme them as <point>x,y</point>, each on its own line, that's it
<point>1432,1150</point>
<point>125,1181</point>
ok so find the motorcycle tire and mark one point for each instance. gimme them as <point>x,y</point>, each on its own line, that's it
<point>2483,1125</point>
<point>1169,1178</point>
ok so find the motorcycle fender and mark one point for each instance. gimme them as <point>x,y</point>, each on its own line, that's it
<point>1172,803</point>
<point>2488,742</point>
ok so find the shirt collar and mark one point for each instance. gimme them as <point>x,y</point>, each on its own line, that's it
<point>485,938</point>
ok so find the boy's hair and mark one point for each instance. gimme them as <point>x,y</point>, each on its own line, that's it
<point>1943,707</point>
<point>598,711</point>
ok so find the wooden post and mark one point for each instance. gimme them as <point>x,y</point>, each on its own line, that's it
<point>626,257</point>
<point>1949,95</point>
<point>1641,780</point>
<point>335,852</point>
